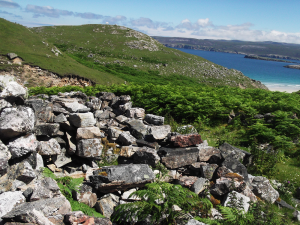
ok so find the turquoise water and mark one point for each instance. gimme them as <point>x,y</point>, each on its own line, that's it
<point>270,73</point>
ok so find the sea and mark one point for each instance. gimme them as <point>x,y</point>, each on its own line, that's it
<point>272,74</point>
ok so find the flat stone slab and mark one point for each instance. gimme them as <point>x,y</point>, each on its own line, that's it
<point>109,179</point>
<point>177,157</point>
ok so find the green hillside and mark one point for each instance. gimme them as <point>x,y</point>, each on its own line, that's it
<point>36,51</point>
<point>136,57</point>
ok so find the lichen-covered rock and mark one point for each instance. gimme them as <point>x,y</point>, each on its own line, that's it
<point>4,104</point>
<point>106,204</point>
<point>135,113</point>
<point>138,129</point>
<point>13,89</point>
<point>238,197</point>
<point>23,145</point>
<point>54,207</point>
<point>263,189</point>
<point>94,104</point>
<point>174,158</point>
<point>16,121</point>
<point>126,138</point>
<point>222,186</point>
<point>159,132</point>
<point>229,151</point>
<point>114,132</point>
<point>45,188</point>
<point>109,179</point>
<point>9,200</point>
<point>82,119</point>
<point>62,159</point>
<point>89,133</point>
<point>237,167</point>
<point>187,181</point>
<point>207,171</point>
<point>50,147</point>
<point>210,154</point>
<point>146,155</point>
<point>89,148</point>
<point>185,140</point>
<point>4,157</point>
<point>85,195</point>
<point>49,129</point>
<point>200,185</point>
<point>153,119</point>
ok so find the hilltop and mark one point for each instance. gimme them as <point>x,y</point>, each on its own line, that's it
<point>109,54</point>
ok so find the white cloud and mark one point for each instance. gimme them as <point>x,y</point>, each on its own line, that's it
<point>47,11</point>
<point>204,22</point>
<point>9,4</point>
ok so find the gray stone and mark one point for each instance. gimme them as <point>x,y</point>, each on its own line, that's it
<point>82,119</point>
<point>200,185</point>
<point>73,106</point>
<point>126,139</point>
<point>138,129</point>
<point>106,204</point>
<point>89,133</point>
<point>114,132</point>
<point>10,200</point>
<point>159,132</point>
<point>4,157</point>
<point>85,195</point>
<point>71,143</point>
<point>6,104</point>
<point>178,157</point>
<point>89,148</point>
<point>124,108</point>
<point>281,203</point>
<point>263,189</point>
<point>125,98</point>
<point>209,154</point>
<point>239,198</point>
<point>146,155</point>
<point>23,145</point>
<point>12,55</point>
<point>230,151</point>
<point>195,222</point>
<point>153,119</point>
<point>222,186</point>
<point>16,121</point>
<point>296,215</point>
<point>60,118</point>
<point>142,143</point>
<point>187,181</point>
<point>45,188</point>
<point>135,113</point>
<point>43,110</point>
<point>128,151</point>
<point>247,192</point>
<point>236,167</point>
<point>106,96</point>
<point>13,89</point>
<point>207,171</point>
<point>48,207</point>
<point>50,147</point>
<point>62,159</point>
<point>122,119</point>
<point>94,104</point>
<point>109,179</point>
<point>50,129</point>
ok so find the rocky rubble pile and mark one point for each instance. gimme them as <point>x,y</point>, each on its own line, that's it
<point>70,133</point>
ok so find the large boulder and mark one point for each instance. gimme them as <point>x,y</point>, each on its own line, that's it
<point>19,147</point>
<point>263,189</point>
<point>229,151</point>
<point>177,157</point>
<point>16,121</point>
<point>109,179</point>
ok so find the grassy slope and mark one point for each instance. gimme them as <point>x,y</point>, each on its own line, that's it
<point>30,47</point>
<point>112,44</point>
<point>247,47</point>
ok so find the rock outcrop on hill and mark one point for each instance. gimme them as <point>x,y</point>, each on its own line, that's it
<point>70,133</point>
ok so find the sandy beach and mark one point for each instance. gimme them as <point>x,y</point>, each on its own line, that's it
<point>283,89</point>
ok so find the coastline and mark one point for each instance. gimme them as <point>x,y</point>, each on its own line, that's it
<point>283,88</point>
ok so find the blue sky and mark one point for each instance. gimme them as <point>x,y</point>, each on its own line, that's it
<point>252,20</point>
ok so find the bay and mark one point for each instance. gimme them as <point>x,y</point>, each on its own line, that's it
<point>273,74</point>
